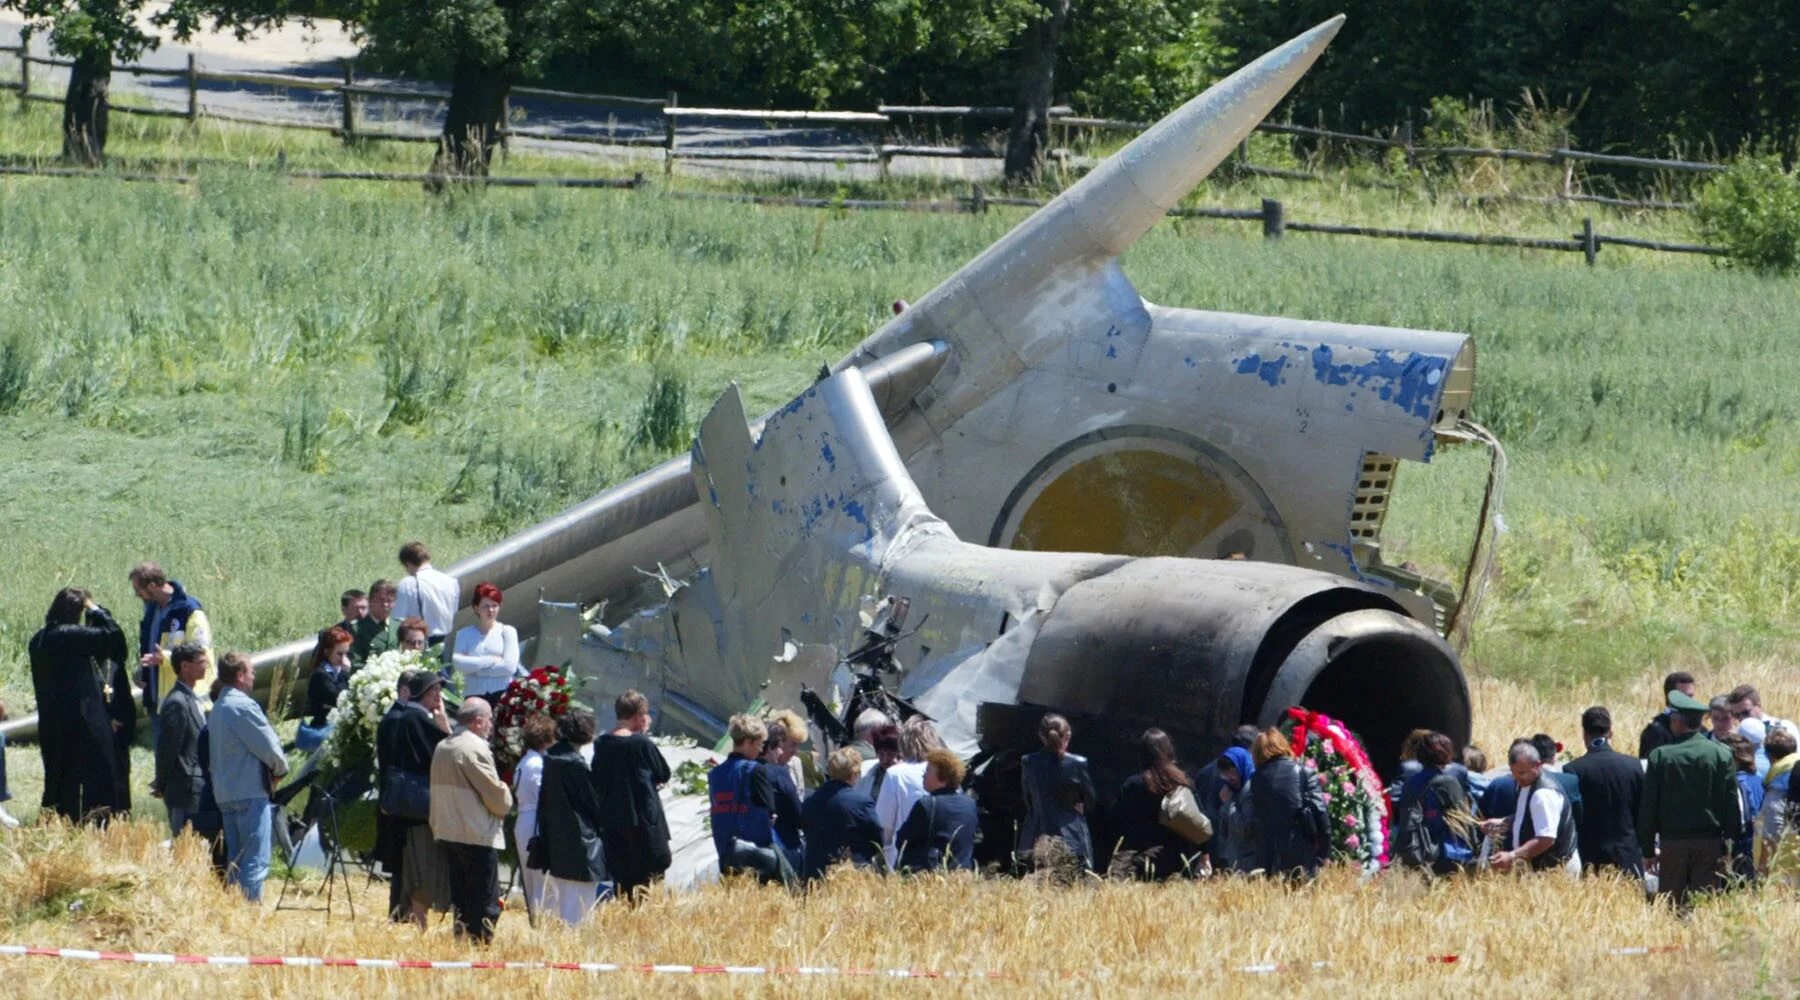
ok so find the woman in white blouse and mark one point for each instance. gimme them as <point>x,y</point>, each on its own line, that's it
<point>486,653</point>
<point>528,780</point>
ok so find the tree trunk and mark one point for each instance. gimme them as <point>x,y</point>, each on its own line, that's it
<point>473,122</point>
<point>1028,138</point>
<point>84,108</point>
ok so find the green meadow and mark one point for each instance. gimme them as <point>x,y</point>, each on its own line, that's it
<point>266,385</point>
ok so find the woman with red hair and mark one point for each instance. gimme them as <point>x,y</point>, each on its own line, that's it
<point>486,653</point>
<point>330,675</point>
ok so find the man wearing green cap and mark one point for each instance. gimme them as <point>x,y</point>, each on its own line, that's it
<point>1690,801</point>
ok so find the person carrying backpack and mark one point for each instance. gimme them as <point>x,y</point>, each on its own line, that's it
<point>1436,827</point>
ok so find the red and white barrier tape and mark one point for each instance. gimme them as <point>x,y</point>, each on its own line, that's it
<point>309,962</point>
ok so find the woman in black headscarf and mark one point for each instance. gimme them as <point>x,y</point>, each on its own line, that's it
<point>69,659</point>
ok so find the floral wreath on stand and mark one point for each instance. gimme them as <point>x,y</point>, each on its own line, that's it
<point>350,749</point>
<point>1353,793</point>
<point>545,691</point>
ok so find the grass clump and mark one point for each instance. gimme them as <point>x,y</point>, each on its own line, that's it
<point>662,422</point>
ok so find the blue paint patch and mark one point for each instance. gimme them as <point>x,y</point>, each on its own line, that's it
<point>854,511</point>
<point>1188,361</point>
<point>1268,371</point>
<point>1112,352</point>
<point>825,452</point>
<point>775,506</point>
<point>807,618</point>
<point>1409,381</point>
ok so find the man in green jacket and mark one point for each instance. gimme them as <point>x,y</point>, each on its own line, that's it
<point>1690,801</point>
<point>373,634</point>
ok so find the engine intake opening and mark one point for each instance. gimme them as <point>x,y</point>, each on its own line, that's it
<point>1384,687</point>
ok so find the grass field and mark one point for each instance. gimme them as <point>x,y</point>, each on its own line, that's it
<point>267,385</point>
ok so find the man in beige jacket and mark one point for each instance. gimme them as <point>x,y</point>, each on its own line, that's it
<point>468,802</point>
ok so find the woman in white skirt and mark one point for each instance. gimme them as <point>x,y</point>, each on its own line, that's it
<point>569,820</point>
<point>528,780</point>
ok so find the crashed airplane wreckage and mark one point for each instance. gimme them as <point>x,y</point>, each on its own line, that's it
<point>1035,401</point>
<point>1232,471</point>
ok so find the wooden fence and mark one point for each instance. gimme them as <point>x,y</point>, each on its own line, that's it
<point>351,127</point>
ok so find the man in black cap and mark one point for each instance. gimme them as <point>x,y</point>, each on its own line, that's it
<point>1690,802</point>
<point>418,727</point>
<point>1612,788</point>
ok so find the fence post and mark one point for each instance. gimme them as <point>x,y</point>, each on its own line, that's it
<point>24,71</point>
<point>348,127</point>
<point>1590,243</point>
<point>674,101</point>
<point>977,200</point>
<point>881,138</point>
<point>1273,220</point>
<point>506,126</point>
<point>193,87</point>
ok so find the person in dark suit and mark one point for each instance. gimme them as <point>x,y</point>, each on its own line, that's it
<point>1059,794</point>
<point>839,821</point>
<point>1612,788</point>
<point>179,778</point>
<point>1658,732</point>
<point>940,832</point>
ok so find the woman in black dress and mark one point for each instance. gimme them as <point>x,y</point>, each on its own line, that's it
<point>628,771</point>
<point>69,663</point>
<point>1157,852</point>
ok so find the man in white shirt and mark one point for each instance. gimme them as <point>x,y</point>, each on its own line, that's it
<point>1746,704</point>
<point>427,592</point>
<point>1543,826</point>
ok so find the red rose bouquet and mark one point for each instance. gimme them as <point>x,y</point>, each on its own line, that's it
<point>545,691</point>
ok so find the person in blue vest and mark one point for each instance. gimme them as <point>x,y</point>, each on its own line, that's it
<point>839,819</point>
<point>939,835</point>
<point>171,616</point>
<point>742,793</point>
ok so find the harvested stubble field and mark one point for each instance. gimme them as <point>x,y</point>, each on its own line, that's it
<point>267,386</point>
<point>1510,936</point>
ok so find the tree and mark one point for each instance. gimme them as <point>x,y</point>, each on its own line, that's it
<point>485,46</point>
<point>1028,138</point>
<point>780,52</point>
<point>92,34</point>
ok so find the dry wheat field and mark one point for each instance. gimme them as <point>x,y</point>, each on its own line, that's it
<point>123,889</point>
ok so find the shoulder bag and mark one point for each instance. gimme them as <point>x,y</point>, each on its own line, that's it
<point>405,795</point>
<point>1181,813</point>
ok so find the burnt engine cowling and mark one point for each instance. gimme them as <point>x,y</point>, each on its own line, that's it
<point>1199,648</point>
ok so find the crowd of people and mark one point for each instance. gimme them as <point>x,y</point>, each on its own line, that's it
<point>1703,803</point>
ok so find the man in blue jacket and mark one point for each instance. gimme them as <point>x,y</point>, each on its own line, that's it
<point>246,760</point>
<point>940,833</point>
<point>171,617</point>
<point>839,821</point>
